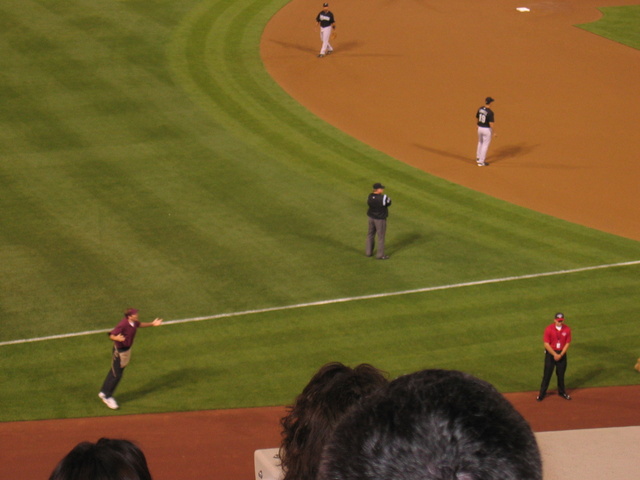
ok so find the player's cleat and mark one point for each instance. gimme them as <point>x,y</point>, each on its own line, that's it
<point>565,396</point>
<point>539,398</point>
<point>329,52</point>
<point>482,164</point>
<point>320,55</point>
<point>109,401</point>
<point>386,257</point>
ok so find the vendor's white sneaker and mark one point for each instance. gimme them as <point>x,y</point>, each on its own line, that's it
<point>109,401</point>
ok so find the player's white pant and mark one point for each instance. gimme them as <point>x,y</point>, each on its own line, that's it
<point>325,36</point>
<point>484,139</point>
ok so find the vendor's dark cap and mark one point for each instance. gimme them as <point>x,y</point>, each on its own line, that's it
<point>559,315</point>
<point>488,100</point>
<point>130,311</point>
<point>377,186</point>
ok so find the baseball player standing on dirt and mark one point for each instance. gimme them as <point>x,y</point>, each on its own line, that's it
<point>327,25</point>
<point>485,120</point>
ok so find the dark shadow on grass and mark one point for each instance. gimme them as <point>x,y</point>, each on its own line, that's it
<point>169,381</point>
<point>399,242</point>
<point>584,378</point>
<point>405,240</point>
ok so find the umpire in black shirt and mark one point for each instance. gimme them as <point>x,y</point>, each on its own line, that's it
<point>377,213</point>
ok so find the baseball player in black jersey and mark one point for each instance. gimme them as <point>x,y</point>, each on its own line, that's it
<point>327,25</point>
<point>378,212</point>
<point>485,120</point>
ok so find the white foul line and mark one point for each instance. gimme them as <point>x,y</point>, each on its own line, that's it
<point>342,300</point>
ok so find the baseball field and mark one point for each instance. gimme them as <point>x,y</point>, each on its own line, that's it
<point>197,161</point>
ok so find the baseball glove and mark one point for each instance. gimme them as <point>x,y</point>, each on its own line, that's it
<point>637,367</point>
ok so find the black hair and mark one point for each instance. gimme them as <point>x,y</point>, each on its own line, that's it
<point>433,425</point>
<point>107,459</point>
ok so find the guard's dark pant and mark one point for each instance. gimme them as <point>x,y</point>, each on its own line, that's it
<point>114,376</point>
<point>549,365</point>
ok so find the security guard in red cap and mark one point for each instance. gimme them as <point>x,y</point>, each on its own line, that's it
<point>557,338</point>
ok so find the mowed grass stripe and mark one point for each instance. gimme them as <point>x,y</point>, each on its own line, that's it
<point>158,207</point>
<point>225,70</point>
<point>266,359</point>
<point>342,300</point>
<point>102,94</point>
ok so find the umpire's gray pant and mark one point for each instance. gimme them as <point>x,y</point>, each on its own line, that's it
<point>378,227</point>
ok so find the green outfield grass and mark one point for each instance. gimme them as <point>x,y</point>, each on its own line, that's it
<point>148,160</point>
<point>619,24</point>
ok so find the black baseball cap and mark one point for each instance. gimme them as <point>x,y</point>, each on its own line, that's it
<point>488,100</point>
<point>560,316</point>
<point>377,186</point>
<point>325,4</point>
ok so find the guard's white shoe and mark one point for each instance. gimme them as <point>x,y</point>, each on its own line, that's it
<point>109,401</point>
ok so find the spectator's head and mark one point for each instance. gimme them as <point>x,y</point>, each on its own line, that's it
<point>107,459</point>
<point>330,393</point>
<point>433,425</point>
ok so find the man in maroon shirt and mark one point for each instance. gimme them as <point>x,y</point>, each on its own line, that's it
<point>122,336</point>
<point>557,338</point>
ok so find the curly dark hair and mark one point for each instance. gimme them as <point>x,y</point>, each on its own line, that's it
<point>433,425</point>
<point>330,393</point>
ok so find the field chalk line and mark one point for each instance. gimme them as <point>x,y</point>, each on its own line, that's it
<point>342,300</point>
